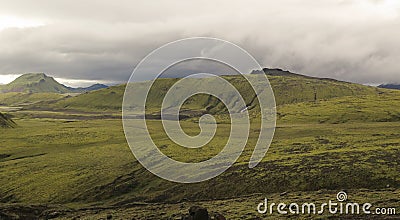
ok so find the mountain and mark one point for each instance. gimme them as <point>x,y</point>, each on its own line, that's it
<point>288,88</point>
<point>276,72</point>
<point>34,83</point>
<point>41,83</point>
<point>93,87</point>
<point>96,86</point>
<point>390,86</point>
<point>6,122</point>
<point>280,72</point>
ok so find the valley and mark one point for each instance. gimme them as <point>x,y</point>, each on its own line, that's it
<point>67,156</point>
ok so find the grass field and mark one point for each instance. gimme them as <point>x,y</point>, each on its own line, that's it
<point>76,162</point>
<point>76,158</point>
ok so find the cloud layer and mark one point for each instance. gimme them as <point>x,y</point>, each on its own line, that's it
<point>351,40</point>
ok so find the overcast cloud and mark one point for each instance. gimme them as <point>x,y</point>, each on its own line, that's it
<point>351,40</point>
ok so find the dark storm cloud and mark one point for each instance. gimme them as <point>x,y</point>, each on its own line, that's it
<point>102,40</point>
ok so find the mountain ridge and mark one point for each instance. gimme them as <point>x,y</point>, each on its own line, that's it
<point>288,88</point>
<point>390,86</point>
<point>42,83</point>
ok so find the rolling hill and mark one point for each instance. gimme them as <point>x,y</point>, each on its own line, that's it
<point>34,83</point>
<point>288,88</point>
<point>41,83</point>
<point>294,93</point>
<point>104,99</point>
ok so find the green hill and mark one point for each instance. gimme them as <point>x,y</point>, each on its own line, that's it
<point>41,83</point>
<point>288,88</point>
<point>34,83</point>
<point>104,99</point>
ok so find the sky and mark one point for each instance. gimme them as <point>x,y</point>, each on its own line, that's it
<point>102,41</point>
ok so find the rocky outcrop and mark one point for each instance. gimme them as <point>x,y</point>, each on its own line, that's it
<point>199,213</point>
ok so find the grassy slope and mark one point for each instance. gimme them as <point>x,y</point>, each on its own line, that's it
<point>104,99</point>
<point>19,98</point>
<point>6,122</point>
<point>89,161</point>
<point>287,89</point>
<point>301,89</point>
<point>382,107</point>
<point>244,208</point>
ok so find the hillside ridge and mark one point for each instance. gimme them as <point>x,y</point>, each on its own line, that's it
<point>288,88</point>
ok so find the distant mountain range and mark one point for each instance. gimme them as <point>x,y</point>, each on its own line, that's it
<point>390,86</point>
<point>40,82</point>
